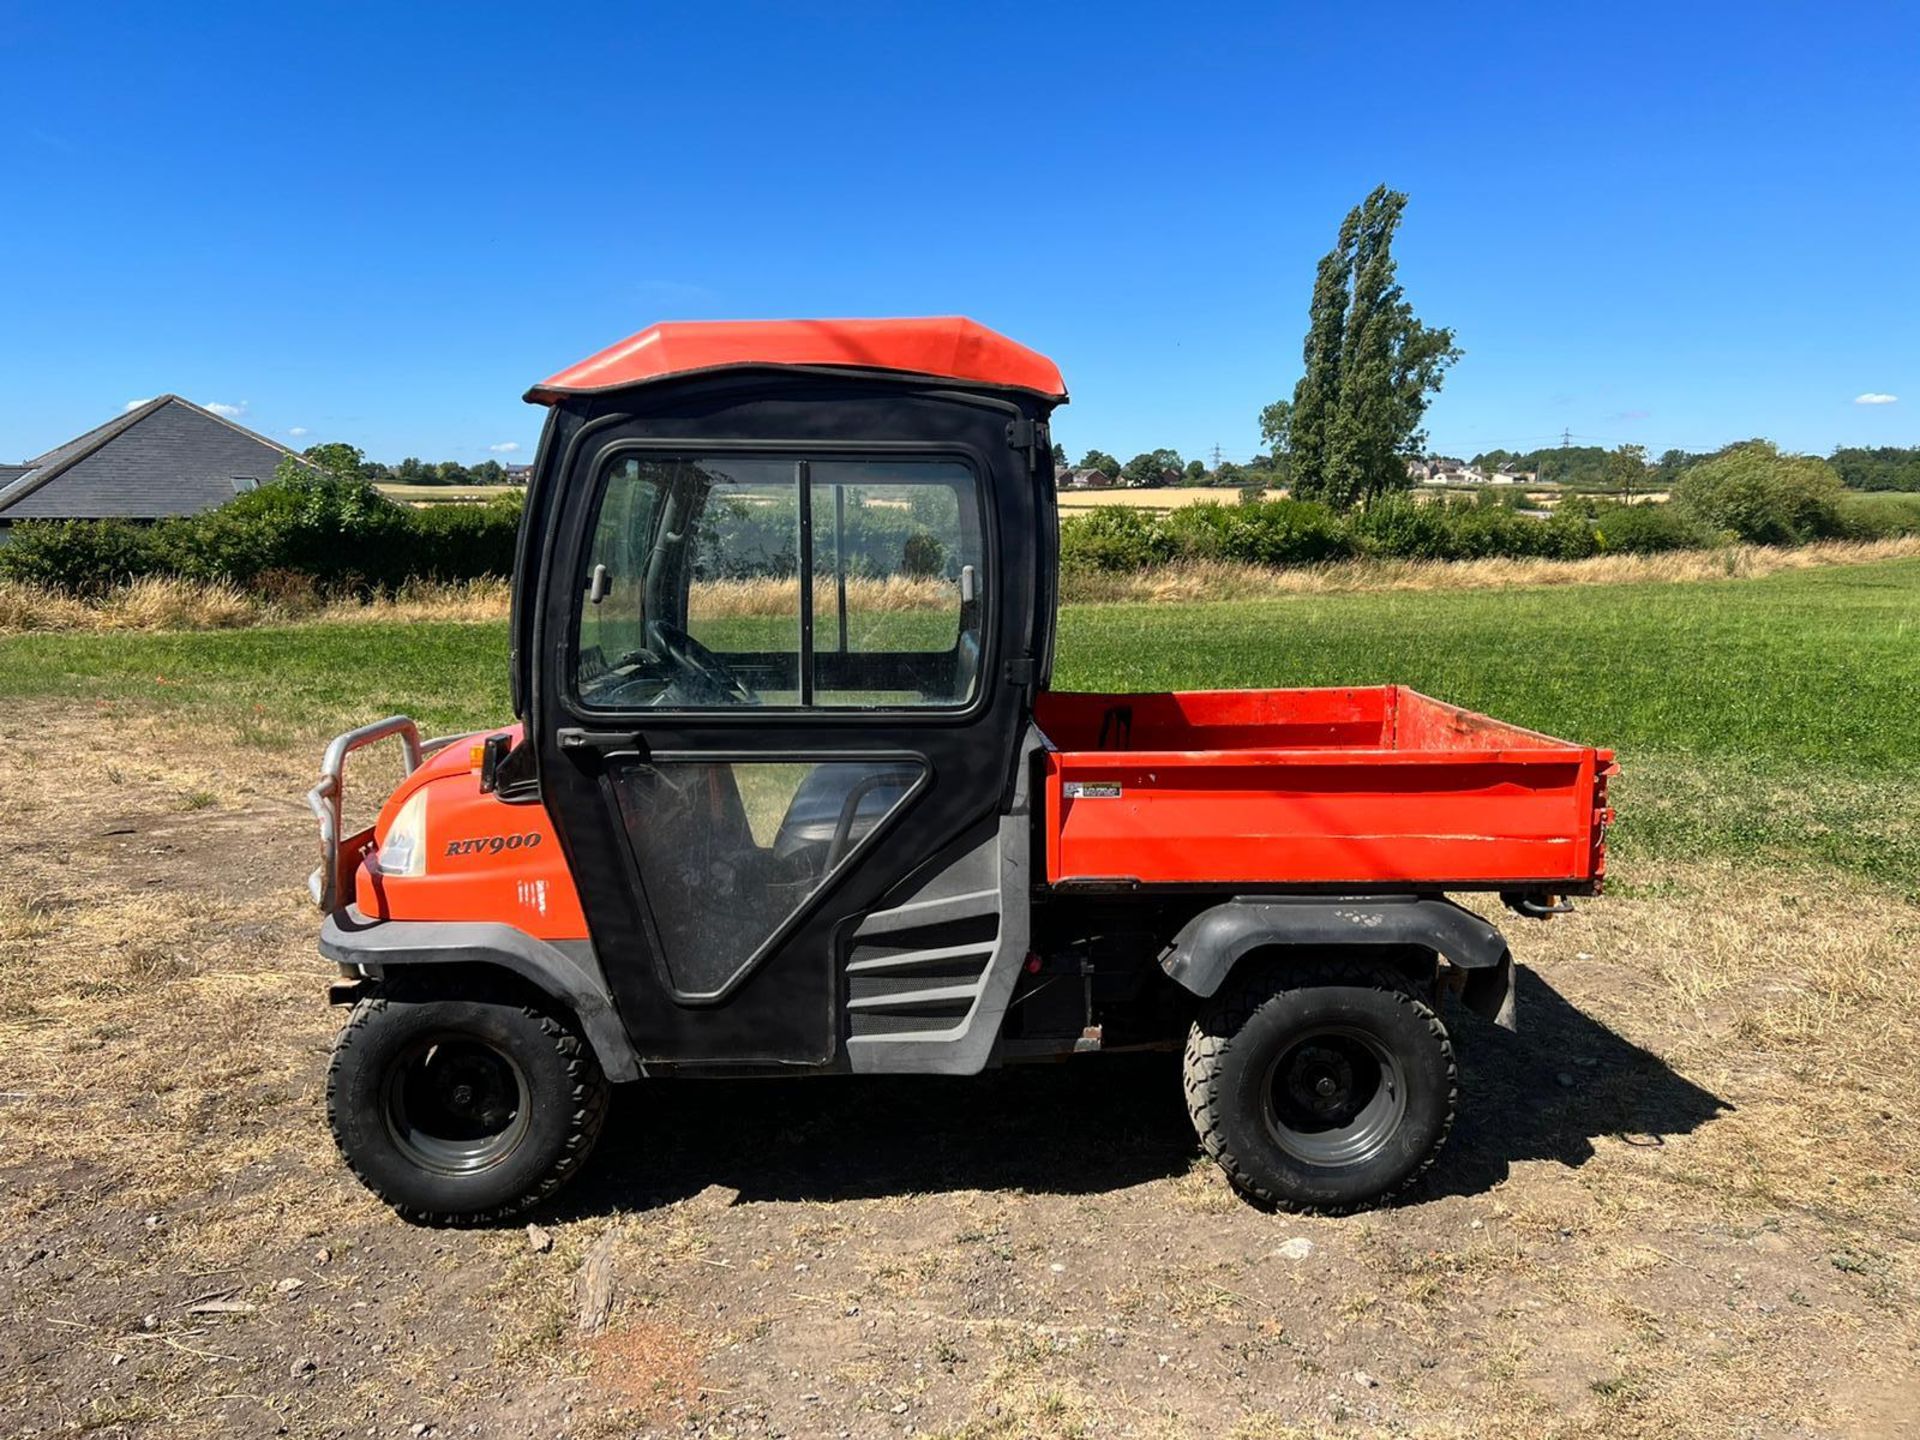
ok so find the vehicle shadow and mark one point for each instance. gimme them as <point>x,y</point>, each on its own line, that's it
<point>1550,1089</point>
<point>1098,1125</point>
<point>1105,1123</point>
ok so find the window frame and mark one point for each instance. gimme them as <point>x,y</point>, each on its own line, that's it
<point>637,872</point>
<point>803,454</point>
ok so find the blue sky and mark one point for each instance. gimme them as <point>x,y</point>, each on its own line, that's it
<point>1668,224</point>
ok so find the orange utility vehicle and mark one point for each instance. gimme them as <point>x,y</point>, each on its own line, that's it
<point>789,792</point>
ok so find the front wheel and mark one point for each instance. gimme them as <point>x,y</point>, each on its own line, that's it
<point>462,1106</point>
<point>1323,1088</point>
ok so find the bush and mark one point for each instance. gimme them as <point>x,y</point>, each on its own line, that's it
<point>1265,532</point>
<point>77,557</point>
<point>1114,537</point>
<point>463,542</point>
<point>1645,530</point>
<point>326,533</point>
<point>1879,517</point>
<point>1401,528</point>
<point>1755,493</point>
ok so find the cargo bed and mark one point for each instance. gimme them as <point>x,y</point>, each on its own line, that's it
<point>1378,788</point>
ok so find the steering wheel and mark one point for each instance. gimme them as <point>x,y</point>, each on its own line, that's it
<point>697,661</point>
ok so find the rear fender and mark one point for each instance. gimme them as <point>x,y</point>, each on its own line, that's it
<point>566,971</point>
<point>1207,947</point>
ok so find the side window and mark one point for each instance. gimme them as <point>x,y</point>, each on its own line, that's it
<point>899,572</point>
<point>691,595</point>
<point>730,852</point>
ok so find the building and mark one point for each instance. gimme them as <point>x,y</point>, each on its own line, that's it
<point>166,456</point>
<point>1085,480</point>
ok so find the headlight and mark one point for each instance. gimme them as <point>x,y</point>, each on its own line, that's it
<point>404,851</point>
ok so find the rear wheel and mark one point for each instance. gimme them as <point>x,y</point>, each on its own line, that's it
<point>461,1108</point>
<point>1320,1088</point>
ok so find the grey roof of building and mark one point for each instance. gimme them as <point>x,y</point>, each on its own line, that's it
<point>166,457</point>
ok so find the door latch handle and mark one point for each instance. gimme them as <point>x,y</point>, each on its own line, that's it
<point>602,742</point>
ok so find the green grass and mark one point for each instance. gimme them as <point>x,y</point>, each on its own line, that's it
<point>1774,719</point>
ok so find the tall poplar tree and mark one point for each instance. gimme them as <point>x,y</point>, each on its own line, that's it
<point>1370,366</point>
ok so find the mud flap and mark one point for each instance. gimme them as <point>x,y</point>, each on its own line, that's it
<point>1489,993</point>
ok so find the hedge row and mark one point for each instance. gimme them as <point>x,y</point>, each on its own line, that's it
<point>343,535</point>
<point>335,534</point>
<point>1302,532</point>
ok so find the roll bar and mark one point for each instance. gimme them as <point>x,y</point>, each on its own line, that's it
<point>325,798</point>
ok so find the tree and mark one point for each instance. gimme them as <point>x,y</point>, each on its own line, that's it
<point>1059,456</point>
<point>1757,494</point>
<point>1369,367</point>
<point>1101,461</point>
<point>343,462</point>
<point>1276,425</point>
<point>1196,472</point>
<point>1627,464</point>
<point>1887,467</point>
<point>1150,466</point>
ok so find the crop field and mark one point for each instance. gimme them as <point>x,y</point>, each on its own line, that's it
<point>1684,1200</point>
<point>446,494</point>
<point>1170,498</point>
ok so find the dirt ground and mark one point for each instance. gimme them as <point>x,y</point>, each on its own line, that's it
<point>1681,1201</point>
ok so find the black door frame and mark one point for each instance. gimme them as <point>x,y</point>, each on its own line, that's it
<point>786,1010</point>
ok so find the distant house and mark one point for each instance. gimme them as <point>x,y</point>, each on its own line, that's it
<point>1085,480</point>
<point>165,457</point>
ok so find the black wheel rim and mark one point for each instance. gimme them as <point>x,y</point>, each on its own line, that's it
<point>455,1104</point>
<point>1334,1097</point>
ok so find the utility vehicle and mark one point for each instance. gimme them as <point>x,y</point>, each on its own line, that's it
<point>789,792</point>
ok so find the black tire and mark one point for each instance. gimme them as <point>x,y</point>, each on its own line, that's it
<point>1320,1088</point>
<point>462,1108</point>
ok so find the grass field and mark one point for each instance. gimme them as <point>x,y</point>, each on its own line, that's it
<point>1765,718</point>
<point>1681,1203</point>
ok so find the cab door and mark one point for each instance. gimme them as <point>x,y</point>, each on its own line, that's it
<point>781,675</point>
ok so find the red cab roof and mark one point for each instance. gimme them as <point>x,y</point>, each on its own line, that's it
<point>948,348</point>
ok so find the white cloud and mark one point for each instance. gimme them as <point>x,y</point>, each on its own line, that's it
<point>299,431</point>
<point>230,412</point>
<point>136,404</point>
<point>1874,397</point>
<point>505,447</point>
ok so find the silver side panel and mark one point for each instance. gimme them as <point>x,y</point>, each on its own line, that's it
<point>927,980</point>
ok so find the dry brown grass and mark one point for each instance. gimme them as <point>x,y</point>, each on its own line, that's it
<point>162,603</point>
<point>1796,992</point>
<point>167,604</point>
<point>727,599</point>
<point>1203,581</point>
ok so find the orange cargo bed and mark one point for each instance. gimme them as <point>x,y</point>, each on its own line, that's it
<point>1370,789</point>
